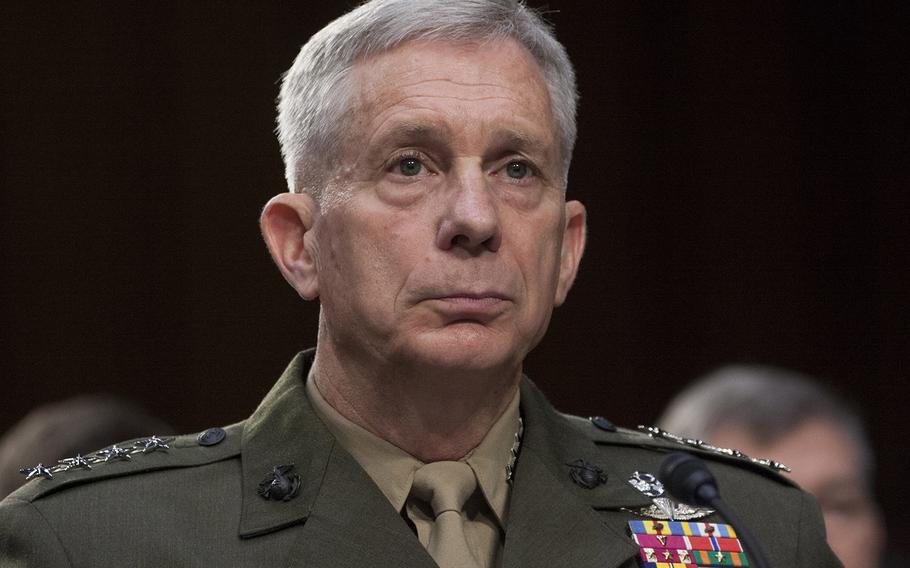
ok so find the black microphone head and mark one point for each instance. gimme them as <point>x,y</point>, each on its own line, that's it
<point>688,479</point>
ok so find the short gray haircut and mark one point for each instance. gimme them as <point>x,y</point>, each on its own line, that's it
<point>768,402</point>
<point>315,96</point>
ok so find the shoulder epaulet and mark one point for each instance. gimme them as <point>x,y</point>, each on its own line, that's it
<point>602,431</point>
<point>132,457</point>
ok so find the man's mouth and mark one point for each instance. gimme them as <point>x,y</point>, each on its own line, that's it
<point>480,306</point>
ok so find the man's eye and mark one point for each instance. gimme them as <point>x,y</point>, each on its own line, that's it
<point>410,166</point>
<point>517,170</point>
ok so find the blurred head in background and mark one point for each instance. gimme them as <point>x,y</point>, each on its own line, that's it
<point>781,415</point>
<point>78,425</point>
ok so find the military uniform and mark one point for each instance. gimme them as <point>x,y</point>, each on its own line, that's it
<point>199,502</point>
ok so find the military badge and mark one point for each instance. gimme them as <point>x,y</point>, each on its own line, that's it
<point>108,455</point>
<point>151,444</point>
<point>662,507</point>
<point>671,544</point>
<point>115,452</point>
<point>513,451</point>
<point>586,475</point>
<point>656,432</point>
<point>281,484</point>
<point>75,463</point>
<point>38,471</point>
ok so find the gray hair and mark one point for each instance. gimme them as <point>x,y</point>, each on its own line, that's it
<point>315,97</point>
<point>768,402</point>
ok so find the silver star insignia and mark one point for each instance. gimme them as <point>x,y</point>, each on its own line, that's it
<point>37,471</point>
<point>75,463</point>
<point>114,453</point>
<point>154,443</point>
<point>654,431</point>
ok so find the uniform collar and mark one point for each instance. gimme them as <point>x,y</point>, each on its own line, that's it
<point>283,430</point>
<point>559,443</point>
<point>337,502</point>
<point>551,520</point>
<point>392,469</point>
<point>490,458</point>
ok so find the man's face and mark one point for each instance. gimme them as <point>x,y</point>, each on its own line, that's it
<point>441,239</point>
<point>825,462</point>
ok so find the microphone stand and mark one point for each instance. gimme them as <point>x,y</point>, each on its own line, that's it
<point>688,479</point>
<point>756,557</point>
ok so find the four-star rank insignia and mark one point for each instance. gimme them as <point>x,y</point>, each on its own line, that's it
<point>662,507</point>
<point>112,454</point>
<point>678,543</point>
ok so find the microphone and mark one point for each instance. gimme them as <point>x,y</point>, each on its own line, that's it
<point>688,480</point>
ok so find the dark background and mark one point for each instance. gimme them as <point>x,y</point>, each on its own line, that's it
<point>744,167</point>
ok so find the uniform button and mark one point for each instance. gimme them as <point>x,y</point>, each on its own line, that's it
<point>603,423</point>
<point>210,437</point>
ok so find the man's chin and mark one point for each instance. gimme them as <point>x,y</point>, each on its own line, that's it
<point>467,347</point>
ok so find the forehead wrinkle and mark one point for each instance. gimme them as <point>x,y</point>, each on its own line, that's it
<point>435,96</point>
<point>468,84</point>
<point>506,95</point>
<point>375,90</point>
<point>506,136</point>
<point>514,134</point>
<point>516,138</point>
<point>412,132</point>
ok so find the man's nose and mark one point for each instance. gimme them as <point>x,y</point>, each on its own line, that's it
<point>470,217</point>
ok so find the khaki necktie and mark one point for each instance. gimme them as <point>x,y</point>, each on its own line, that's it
<point>446,485</point>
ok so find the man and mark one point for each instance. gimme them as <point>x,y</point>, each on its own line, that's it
<point>427,147</point>
<point>791,418</point>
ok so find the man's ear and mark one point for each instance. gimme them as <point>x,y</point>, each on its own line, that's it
<point>286,223</point>
<point>573,246</point>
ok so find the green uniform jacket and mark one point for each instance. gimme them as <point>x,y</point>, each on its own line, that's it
<point>198,505</point>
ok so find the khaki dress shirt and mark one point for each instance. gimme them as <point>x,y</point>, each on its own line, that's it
<point>392,469</point>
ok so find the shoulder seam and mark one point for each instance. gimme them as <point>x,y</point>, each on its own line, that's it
<point>47,524</point>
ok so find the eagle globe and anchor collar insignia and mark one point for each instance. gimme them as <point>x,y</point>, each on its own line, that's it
<point>586,475</point>
<point>282,484</point>
<point>662,507</point>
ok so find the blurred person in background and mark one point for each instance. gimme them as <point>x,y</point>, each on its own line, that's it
<point>788,417</point>
<point>71,427</point>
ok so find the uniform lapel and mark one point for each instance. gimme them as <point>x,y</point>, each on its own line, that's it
<point>353,525</point>
<point>552,521</point>
<point>346,519</point>
<point>549,526</point>
<point>283,430</point>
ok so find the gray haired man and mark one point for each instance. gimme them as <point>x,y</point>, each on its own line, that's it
<point>427,147</point>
